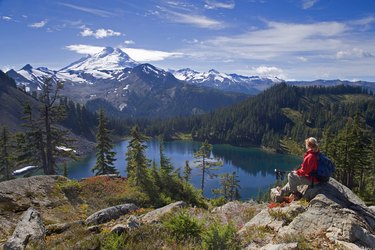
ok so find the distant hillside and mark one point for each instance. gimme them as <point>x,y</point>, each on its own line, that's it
<point>80,122</point>
<point>12,101</point>
<point>282,111</point>
<point>329,83</point>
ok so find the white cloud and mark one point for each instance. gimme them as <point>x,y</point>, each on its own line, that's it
<point>38,25</point>
<point>97,12</point>
<point>143,55</point>
<point>99,33</point>
<point>266,71</point>
<point>276,41</point>
<point>128,42</point>
<point>306,4</point>
<point>84,49</point>
<point>189,16</point>
<point>140,55</point>
<point>210,4</point>
<point>87,32</point>
<point>301,50</point>
<point>353,53</point>
<point>196,20</point>
<point>6,18</point>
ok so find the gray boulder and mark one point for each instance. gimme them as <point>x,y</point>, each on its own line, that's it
<point>336,210</point>
<point>110,213</point>
<point>274,219</point>
<point>29,229</point>
<point>156,215</point>
<point>333,210</point>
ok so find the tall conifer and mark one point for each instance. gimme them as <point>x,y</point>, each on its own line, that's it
<point>206,166</point>
<point>105,157</point>
<point>137,163</point>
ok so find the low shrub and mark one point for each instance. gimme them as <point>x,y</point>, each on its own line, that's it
<point>182,226</point>
<point>257,234</point>
<point>217,202</point>
<point>278,214</point>
<point>220,237</point>
<point>113,241</point>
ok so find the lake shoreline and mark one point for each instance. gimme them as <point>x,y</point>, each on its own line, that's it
<point>254,166</point>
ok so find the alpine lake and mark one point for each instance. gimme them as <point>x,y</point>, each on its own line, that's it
<point>254,167</point>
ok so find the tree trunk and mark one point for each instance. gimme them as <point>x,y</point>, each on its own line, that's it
<point>49,155</point>
<point>203,173</point>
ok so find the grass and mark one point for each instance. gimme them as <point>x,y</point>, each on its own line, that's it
<point>302,242</point>
<point>258,234</point>
<point>101,191</point>
<point>286,217</point>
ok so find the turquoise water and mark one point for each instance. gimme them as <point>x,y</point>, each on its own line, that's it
<point>254,166</point>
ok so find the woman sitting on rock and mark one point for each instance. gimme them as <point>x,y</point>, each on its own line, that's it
<point>302,175</point>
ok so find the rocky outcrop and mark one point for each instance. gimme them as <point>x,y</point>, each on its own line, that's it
<point>40,192</point>
<point>29,229</point>
<point>333,210</point>
<point>110,213</point>
<point>156,215</point>
<point>18,195</point>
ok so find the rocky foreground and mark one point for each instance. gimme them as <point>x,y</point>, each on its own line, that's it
<point>50,211</point>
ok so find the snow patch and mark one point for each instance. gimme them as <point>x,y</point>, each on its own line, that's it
<point>122,106</point>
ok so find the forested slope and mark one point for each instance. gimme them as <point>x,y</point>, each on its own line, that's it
<point>283,111</point>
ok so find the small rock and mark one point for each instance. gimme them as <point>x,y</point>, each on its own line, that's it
<point>61,227</point>
<point>29,228</point>
<point>284,246</point>
<point>110,213</point>
<point>133,222</point>
<point>119,229</point>
<point>94,229</point>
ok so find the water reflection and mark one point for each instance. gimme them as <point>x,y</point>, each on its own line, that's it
<point>254,167</point>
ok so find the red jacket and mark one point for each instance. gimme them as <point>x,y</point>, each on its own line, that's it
<point>309,164</point>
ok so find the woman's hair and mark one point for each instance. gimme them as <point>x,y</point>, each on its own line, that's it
<point>312,143</point>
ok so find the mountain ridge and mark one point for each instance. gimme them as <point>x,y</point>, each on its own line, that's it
<point>131,87</point>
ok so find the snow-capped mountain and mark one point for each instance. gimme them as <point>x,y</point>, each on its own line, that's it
<point>29,77</point>
<point>124,87</point>
<point>107,59</point>
<point>226,82</point>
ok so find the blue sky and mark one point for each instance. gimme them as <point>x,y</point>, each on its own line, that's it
<point>291,39</point>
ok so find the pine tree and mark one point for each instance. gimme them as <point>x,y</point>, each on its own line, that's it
<point>187,172</point>
<point>43,135</point>
<point>349,150</point>
<point>229,187</point>
<point>137,163</point>
<point>206,167</point>
<point>104,156</point>
<point>5,158</point>
<point>166,168</point>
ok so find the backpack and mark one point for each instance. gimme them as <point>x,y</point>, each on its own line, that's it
<point>325,168</point>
